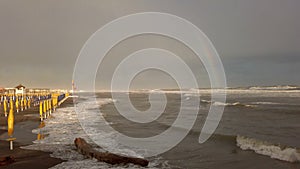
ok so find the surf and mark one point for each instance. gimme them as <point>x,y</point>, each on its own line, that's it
<point>274,151</point>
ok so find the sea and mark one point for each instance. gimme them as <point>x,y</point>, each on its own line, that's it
<point>259,128</point>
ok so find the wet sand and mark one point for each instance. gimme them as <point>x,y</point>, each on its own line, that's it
<point>25,122</point>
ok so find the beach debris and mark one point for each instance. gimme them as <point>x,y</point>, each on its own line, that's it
<point>6,160</point>
<point>86,149</point>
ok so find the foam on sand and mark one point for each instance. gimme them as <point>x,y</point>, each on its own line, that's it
<point>265,148</point>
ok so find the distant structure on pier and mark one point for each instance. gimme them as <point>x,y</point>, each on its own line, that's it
<point>20,89</point>
<point>9,91</point>
<point>38,90</point>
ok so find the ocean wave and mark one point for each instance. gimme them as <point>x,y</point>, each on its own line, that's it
<point>226,104</point>
<point>283,153</point>
<point>265,103</point>
<point>64,128</point>
<point>286,87</point>
<point>232,104</point>
<point>205,101</point>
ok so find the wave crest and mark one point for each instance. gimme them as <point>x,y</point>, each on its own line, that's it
<point>265,148</point>
<point>232,104</point>
<point>286,87</point>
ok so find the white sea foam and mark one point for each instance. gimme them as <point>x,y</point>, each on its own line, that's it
<point>188,94</point>
<point>61,130</point>
<point>187,98</point>
<point>289,91</point>
<point>64,127</point>
<point>265,148</point>
<point>287,87</point>
<point>266,103</point>
<point>205,101</point>
<point>232,104</point>
<point>226,104</point>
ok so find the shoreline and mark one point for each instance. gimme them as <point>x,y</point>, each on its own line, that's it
<point>25,122</point>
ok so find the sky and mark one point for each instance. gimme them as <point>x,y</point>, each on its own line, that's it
<point>258,41</point>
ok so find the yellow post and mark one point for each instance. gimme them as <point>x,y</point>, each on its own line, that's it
<point>47,106</point>
<point>10,127</point>
<point>17,104</point>
<point>5,107</point>
<point>45,109</point>
<point>22,104</point>
<point>11,104</point>
<point>53,103</point>
<point>25,103</point>
<point>10,122</point>
<point>29,102</point>
<point>50,106</point>
<point>40,135</point>
<point>41,111</point>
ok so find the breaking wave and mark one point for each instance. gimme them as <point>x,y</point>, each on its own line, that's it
<point>205,101</point>
<point>64,127</point>
<point>265,103</point>
<point>272,150</point>
<point>232,104</point>
<point>226,104</point>
<point>286,87</point>
<point>250,104</point>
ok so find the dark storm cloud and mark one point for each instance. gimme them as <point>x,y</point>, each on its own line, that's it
<point>258,40</point>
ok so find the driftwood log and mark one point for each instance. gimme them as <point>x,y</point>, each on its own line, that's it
<point>84,148</point>
<point>6,160</point>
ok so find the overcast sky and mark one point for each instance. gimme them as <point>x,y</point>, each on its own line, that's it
<point>257,40</point>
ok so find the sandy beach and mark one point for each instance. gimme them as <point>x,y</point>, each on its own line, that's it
<point>25,122</point>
